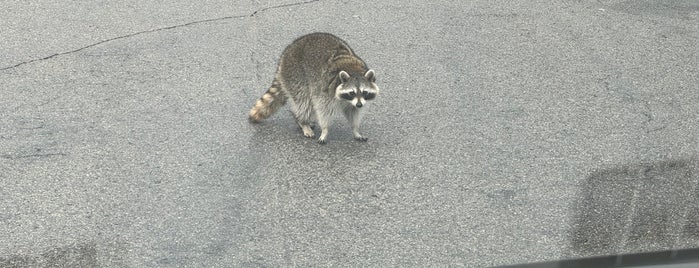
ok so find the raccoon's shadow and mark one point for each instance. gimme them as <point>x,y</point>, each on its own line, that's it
<point>282,136</point>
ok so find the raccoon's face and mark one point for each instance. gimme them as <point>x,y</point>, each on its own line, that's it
<point>357,89</point>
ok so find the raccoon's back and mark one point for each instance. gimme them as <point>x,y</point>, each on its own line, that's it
<point>310,56</point>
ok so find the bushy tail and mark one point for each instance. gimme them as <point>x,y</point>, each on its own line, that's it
<point>268,103</point>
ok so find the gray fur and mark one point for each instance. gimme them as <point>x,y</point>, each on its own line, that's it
<point>313,73</point>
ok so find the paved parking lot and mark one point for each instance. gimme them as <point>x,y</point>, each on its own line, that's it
<point>506,132</point>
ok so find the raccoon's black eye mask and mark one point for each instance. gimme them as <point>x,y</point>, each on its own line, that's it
<point>351,95</point>
<point>348,96</point>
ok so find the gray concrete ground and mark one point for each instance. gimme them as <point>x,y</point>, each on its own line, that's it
<point>506,132</point>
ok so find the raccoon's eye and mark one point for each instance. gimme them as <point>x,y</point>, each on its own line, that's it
<point>368,95</point>
<point>347,96</point>
<point>351,93</point>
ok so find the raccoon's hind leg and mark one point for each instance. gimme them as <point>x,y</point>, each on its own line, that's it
<point>268,103</point>
<point>302,111</point>
<point>354,117</point>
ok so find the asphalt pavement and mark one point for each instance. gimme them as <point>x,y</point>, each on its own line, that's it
<point>506,132</point>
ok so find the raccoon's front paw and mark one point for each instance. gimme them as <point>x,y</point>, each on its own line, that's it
<point>322,141</point>
<point>362,139</point>
<point>307,131</point>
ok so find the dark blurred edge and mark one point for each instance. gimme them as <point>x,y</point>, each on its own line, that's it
<point>682,256</point>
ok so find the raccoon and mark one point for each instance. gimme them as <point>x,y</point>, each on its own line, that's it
<point>319,75</point>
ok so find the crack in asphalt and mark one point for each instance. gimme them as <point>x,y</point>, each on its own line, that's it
<point>157,30</point>
<point>15,157</point>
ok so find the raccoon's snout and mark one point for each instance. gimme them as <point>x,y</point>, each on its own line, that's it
<point>359,105</point>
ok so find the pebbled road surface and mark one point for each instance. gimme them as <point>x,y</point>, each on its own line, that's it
<point>506,132</point>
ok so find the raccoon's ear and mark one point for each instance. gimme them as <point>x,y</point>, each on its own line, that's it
<point>370,76</point>
<point>344,76</point>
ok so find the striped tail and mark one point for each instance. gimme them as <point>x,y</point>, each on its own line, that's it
<point>268,103</point>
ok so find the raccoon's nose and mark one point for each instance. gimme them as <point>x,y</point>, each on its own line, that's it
<point>359,104</point>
